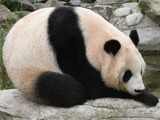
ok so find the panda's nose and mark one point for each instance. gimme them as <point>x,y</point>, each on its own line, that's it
<point>139,91</point>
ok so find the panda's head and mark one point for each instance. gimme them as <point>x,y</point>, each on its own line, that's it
<point>123,66</point>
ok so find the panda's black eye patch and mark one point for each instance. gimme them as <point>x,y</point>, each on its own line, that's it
<point>127,75</point>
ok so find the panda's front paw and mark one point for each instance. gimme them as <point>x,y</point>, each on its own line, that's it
<point>148,99</point>
<point>151,100</point>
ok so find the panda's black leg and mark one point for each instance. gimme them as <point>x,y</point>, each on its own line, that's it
<point>147,98</point>
<point>59,90</point>
<point>144,97</point>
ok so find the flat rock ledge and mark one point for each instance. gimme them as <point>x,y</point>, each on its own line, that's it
<point>14,106</point>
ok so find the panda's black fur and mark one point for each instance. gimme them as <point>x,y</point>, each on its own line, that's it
<point>68,44</point>
<point>79,80</point>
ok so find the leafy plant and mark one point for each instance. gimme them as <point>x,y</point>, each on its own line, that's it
<point>5,25</point>
<point>12,5</point>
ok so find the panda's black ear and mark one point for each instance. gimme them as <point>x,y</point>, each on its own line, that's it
<point>112,46</point>
<point>134,37</point>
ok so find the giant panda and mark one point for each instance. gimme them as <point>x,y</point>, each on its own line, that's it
<point>65,56</point>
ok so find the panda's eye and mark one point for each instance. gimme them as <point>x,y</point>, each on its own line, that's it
<point>127,75</point>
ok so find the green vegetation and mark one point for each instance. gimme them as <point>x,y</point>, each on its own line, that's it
<point>152,59</point>
<point>6,2</point>
<point>133,0</point>
<point>5,25</point>
<point>2,1</point>
<point>12,5</point>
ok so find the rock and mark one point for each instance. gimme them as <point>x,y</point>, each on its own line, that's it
<point>75,2</point>
<point>149,38</point>
<point>38,5</point>
<point>80,3</point>
<point>6,14</point>
<point>134,19</point>
<point>105,11</point>
<point>26,5</point>
<point>133,5</point>
<point>152,67</point>
<point>120,23</point>
<point>151,8</point>
<point>20,5</point>
<point>88,1</point>
<point>14,106</point>
<point>52,3</point>
<point>146,22</point>
<point>86,5</point>
<point>109,2</point>
<point>120,12</point>
<point>38,1</point>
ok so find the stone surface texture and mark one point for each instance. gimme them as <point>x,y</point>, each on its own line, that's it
<point>124,11</point>
<point>133,5</point>
<point>5,13</point>
<point>121,24</point>
<point>52,3</point>
<point>105,11</point>
<point>149,38</point>
<point>134,19</point>
<point>109,2</point>
<point>151,8</point>
<point>13,106</point>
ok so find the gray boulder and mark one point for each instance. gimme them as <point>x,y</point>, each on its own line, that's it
<point>120,23</point>
<point>134,19</point>
<point>52,3</point>
<point>151,8</point>
<point>149,38</point>
<point>133,5</point>
<point>38,1</point>
<point>25,5</point>
<point>38,5</point>
<point>146,23</point>
<point>6,14</point>
<point>109,2</point>
<point>13,106</point>
<point>105,11</point>
<point>75,2</point>
<point>130,18</point>
<point>124,11</point>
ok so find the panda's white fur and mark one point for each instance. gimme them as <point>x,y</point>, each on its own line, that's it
<point>26,57</point>
<point>27,52</point>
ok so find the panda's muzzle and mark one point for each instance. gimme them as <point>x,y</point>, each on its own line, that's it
<point>139,91</point>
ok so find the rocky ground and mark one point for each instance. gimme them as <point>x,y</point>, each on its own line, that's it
<point>13,106</point>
